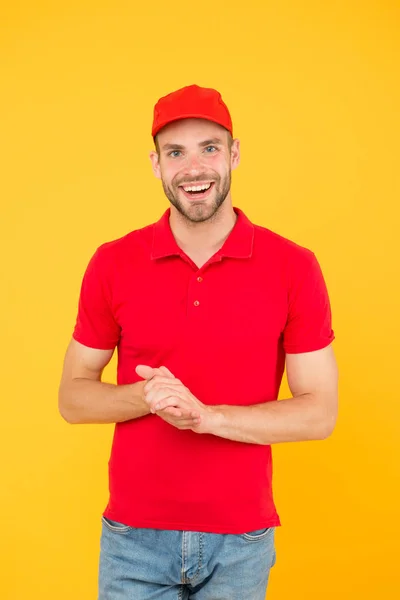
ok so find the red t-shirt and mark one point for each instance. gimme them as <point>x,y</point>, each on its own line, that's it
<point>223,330</point>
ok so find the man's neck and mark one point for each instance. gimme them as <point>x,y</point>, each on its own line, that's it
<point>202,238</point>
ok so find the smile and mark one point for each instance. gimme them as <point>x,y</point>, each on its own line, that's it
<point>197,192</point>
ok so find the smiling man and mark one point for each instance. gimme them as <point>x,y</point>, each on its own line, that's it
<point>206,309</point>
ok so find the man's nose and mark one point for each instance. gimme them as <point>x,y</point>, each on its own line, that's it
<point>194,163</point>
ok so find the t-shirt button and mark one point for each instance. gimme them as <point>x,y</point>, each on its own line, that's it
<point>199,279</point>
<point>196,303</point>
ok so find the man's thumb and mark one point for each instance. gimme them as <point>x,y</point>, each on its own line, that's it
<point>145,372</point>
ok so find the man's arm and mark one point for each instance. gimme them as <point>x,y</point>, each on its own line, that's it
<point>310,415</point>
<point>84,398</point>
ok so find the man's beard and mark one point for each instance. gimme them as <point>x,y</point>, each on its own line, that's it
<point>200,211</point>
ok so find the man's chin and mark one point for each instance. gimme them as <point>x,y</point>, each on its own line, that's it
<point>196,211</point>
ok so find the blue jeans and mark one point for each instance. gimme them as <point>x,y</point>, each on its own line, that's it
<point>159,564</point>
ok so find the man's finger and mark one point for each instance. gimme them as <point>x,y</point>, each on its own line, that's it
<point>181,422</point>
<point>167,371</point>
<point>161,393</point>
<point>159,402</point>
<point>159,380</point>
<point>172,411</point>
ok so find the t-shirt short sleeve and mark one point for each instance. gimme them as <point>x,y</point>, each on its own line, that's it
<point>95,324</point>
<point>309,322</point>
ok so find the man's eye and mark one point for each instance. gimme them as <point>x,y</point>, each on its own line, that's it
<point>173,153</point>
<point>208,147</point>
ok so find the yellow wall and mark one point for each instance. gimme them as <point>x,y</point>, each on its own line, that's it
<point>314,92</point>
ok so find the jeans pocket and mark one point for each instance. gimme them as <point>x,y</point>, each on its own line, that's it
<point>115,526</point>
<point>258,534</point>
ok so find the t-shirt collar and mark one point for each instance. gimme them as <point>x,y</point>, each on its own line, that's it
<point>239,243</point>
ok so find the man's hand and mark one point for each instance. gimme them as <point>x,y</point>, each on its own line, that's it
<point>172,401</point>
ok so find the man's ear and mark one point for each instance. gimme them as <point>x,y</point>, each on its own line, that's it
<point>235,153</point>
<point>155,163</point>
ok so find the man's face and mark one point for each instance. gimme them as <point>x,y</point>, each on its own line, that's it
<point>195,153</point>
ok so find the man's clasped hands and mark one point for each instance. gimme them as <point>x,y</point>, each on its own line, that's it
<point>171,400</point>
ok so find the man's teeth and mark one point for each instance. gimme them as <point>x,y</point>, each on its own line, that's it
<point>197,188</point>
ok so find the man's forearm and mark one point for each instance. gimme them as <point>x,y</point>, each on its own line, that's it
<point>91,401</point>
<point>291,420</point>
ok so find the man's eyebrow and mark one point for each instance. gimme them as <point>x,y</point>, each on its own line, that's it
<point>211,142</point>
<point>173,147</point>
<point>180,147</point>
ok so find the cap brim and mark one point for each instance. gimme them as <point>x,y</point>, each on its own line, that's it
<point>189,116</point>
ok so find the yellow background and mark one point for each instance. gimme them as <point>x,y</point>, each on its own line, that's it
<point>314,92</point>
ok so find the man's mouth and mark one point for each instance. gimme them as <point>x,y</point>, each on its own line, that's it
<point>197,191</point>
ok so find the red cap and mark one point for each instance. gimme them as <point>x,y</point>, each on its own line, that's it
<point>191,101</point>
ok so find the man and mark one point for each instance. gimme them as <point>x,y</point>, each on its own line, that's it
<point>205,309</point>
